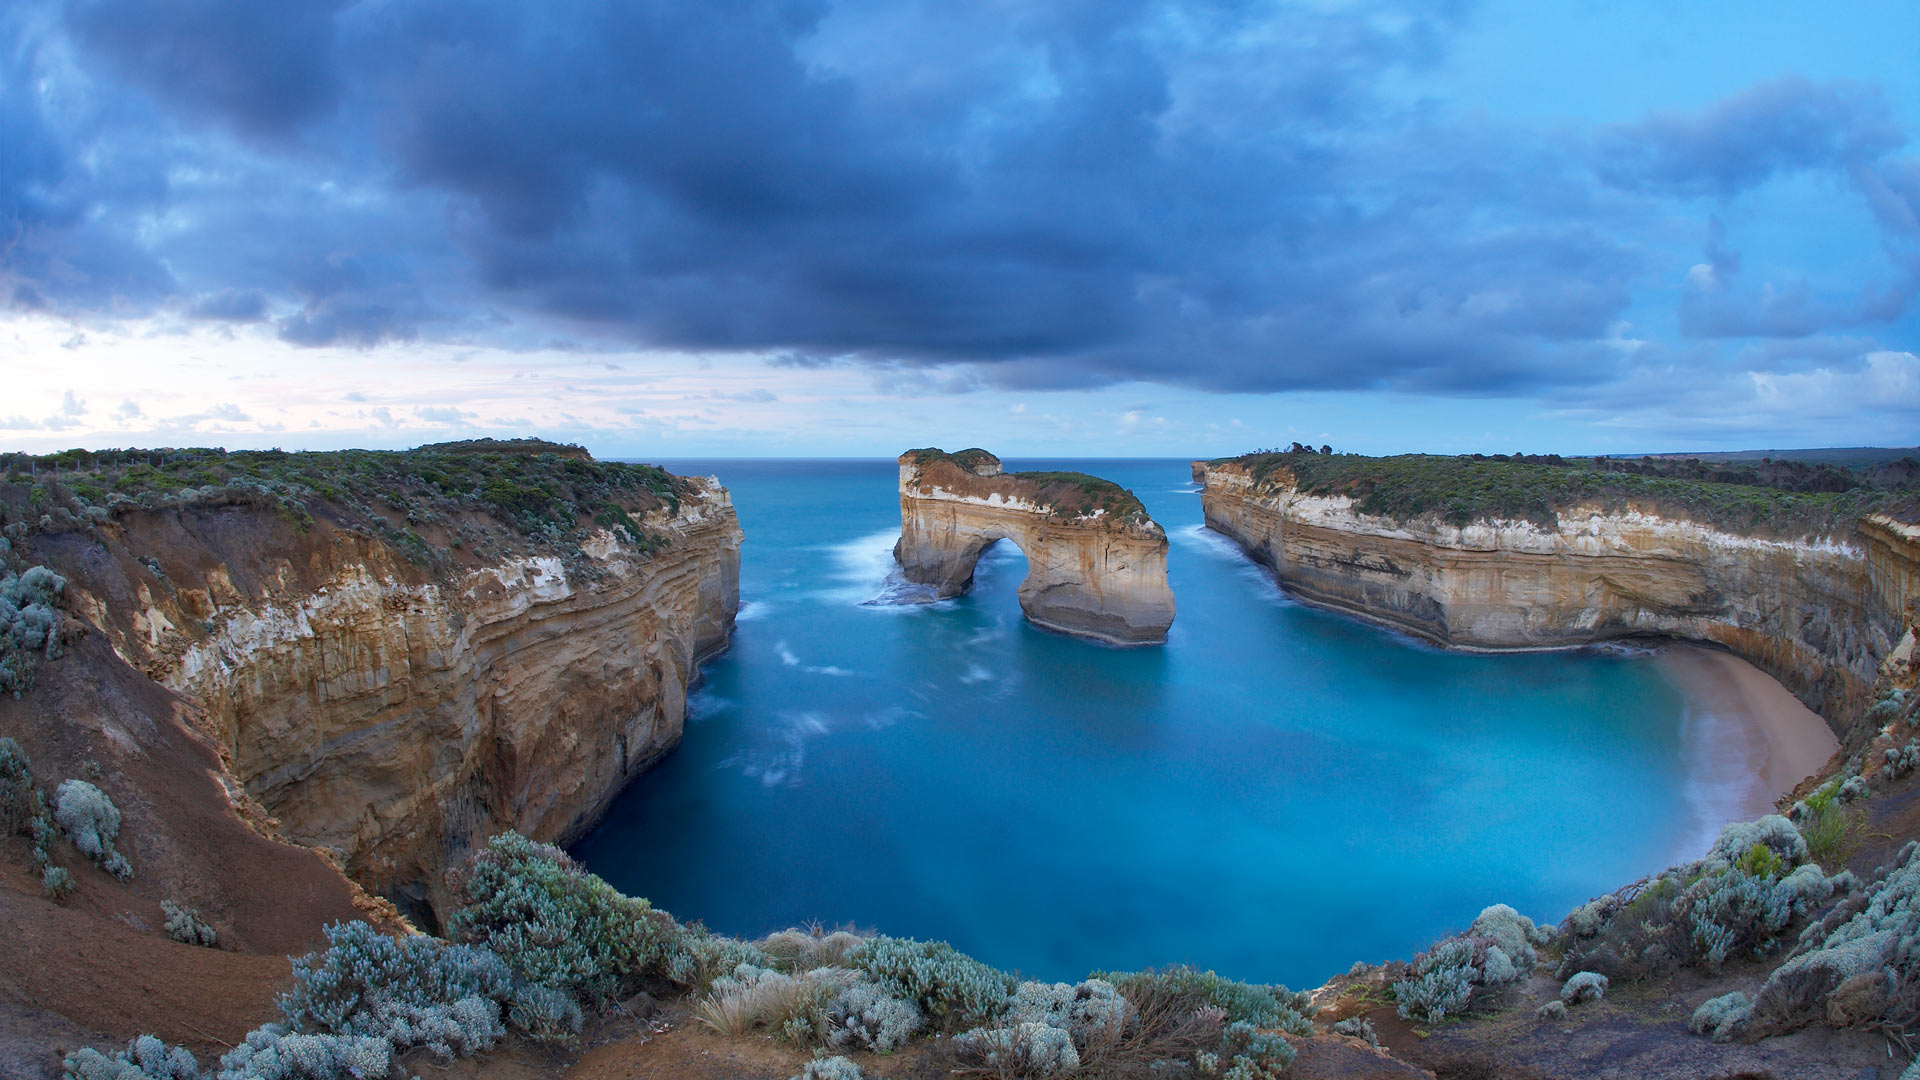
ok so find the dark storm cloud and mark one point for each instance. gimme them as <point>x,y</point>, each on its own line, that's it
<point>1779,126</point>
<point>264,67</point>
<point>231,305</point>
<point>1065,194</point>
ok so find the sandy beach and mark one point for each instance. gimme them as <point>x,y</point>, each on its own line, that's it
<point>1747,740</point>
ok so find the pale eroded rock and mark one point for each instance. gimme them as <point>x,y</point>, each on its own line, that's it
<point>1100,574</point>
<point>1819,615</point>
<point>399,718</point>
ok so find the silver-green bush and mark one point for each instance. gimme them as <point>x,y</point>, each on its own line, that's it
<point>954,990</point>
<point>545,1015</point>
<point>1477,966</point>
<point>1879,931</point>
<point>1024,1049</point>
<point>92,822</point>
<point>1722,1017</point>
<point>56,883</point>
<point>1440,983</point>
<point>274,1053</point>
<point>831,1068</point>
<point>866,1016</point>
<point>1742,899</point>
<point>145,1058</point>
<point>557,925</point>
<point>1584,986</point>
<point>29,625</point>
<point>183,924</point>
<point>1902,760</point>
<point>1358,1027</point>
<point>414,992</point>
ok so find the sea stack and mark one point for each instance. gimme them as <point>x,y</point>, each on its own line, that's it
<point>1096,563</point>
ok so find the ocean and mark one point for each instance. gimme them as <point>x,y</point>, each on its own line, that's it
<point>1277,792</point>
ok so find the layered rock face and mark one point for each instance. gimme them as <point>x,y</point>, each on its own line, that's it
<point>398,717</point>
<point>1820,616</point>
<point>1096,564</point>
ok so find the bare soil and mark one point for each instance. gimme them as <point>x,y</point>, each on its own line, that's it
<point>98,968</point>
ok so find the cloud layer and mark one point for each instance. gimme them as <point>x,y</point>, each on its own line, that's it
<point>1224,196</point>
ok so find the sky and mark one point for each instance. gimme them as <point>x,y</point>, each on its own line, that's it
<point>1069,228</point>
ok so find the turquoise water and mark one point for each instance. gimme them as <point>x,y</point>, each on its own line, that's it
<point>1276,793</point>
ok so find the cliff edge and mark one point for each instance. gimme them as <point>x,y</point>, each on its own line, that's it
<point>1096,563</point>
<point>400,654</point>
<point>1814,589</point>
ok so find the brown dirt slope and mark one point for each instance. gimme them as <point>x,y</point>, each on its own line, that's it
<point>99,968</point>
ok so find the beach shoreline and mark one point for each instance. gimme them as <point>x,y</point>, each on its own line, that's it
<point>1747,741</point>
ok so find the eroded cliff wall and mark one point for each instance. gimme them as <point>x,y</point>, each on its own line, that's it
<point>1098,571</point>
<point>397,715</point>
<point>1819,615</point>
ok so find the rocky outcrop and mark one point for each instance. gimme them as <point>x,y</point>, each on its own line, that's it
<point>397,715</point>
<point>1096,564</point>
<point>1819,615</point>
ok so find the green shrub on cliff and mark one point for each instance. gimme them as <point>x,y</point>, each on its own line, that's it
<point>547,493</point>
<point>183,924</point>
<point>1467,488</point>
<point>1875,938</point>
<point>1902,760</point>
<point>866,1016</point>
<point>953,989</point>
<point>412,991</point>
<point>545,1015</point>
<point>369,1004</point>
<point>1722,1017</point>
<point>1832,829</point>
<point>1738,901</point>
<point>24,812</point>
<point>1471,968</point>
<point>557,925</point>
<point>1183,990</point>
<point>92,822</point>
<point>145,1058</point>
<point>830,1068</point>
<point>1065,494</point>
<point>29,624</point>
<point>19,798</point>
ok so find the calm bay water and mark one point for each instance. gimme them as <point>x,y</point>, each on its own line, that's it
<point>1276,793</point>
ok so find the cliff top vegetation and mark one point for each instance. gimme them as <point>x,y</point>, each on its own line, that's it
<point>1776,498</point>
<point>547,493</point>
<point>1065,494</point>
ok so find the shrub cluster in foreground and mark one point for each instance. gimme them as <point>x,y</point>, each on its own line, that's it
<point>1736,902</point>
<point>1844,952</point>
<point>1472,969</point>
<point>538,943</point>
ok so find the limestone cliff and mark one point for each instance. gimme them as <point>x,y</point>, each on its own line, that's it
<point>397,710</point>
<point>1096,564</point>
<point>1820,615</point>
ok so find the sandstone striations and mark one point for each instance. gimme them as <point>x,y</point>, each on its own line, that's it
<point>1820,614</point>
<point>1096,564</point>
<point>396,710</point>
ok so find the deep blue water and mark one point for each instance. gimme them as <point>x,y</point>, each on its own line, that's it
<point>1276,793</point>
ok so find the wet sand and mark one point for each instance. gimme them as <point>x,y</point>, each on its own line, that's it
<point>1747,740</point>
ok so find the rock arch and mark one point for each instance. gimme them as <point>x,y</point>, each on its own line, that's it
<point>1096,563</point>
